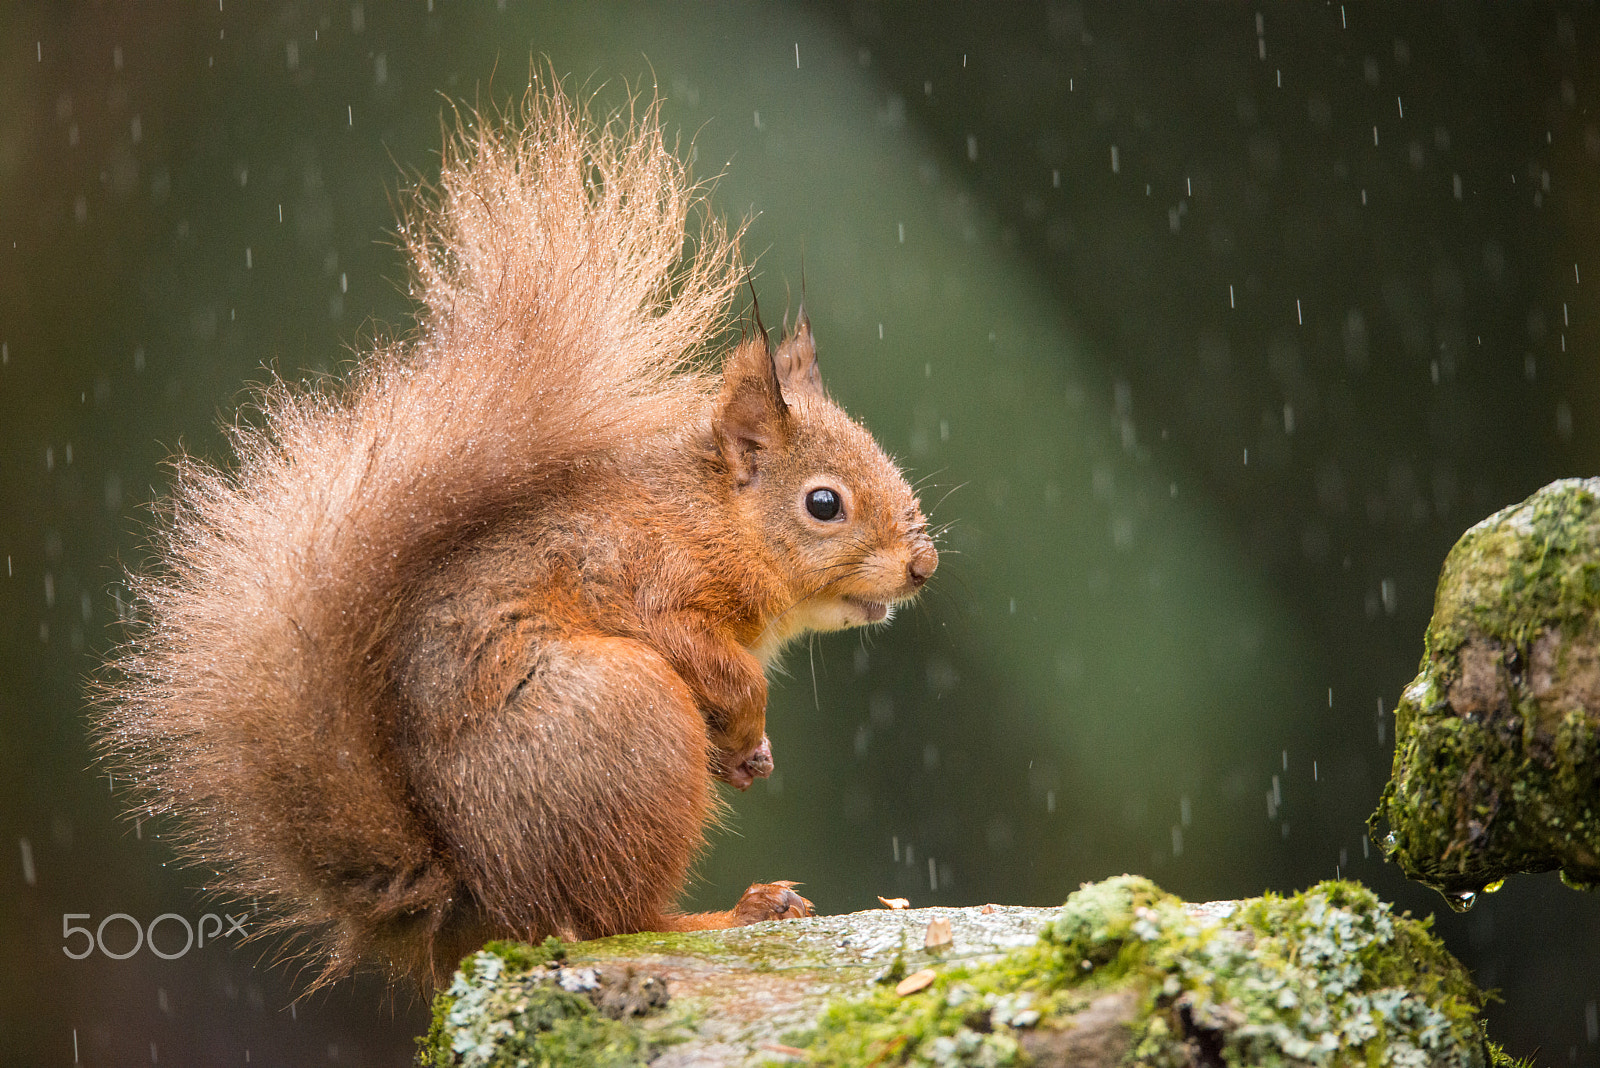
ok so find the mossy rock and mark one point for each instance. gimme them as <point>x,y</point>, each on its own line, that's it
<point>1122,974</point>
<point>1496,745</point>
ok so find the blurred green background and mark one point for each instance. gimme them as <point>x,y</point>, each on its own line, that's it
<point>1210,328</point>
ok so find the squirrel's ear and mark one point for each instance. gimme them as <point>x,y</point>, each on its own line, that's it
<point>795,362</point>
<point>751,415</point>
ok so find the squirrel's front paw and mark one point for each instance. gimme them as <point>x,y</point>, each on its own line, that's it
<point>771,901</point>
<point>742,769</point>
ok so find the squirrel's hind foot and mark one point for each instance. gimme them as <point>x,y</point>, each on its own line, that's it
<point>771,901</point>
<point>762,902</point>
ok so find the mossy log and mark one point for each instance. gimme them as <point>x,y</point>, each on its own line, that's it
<point>1122,973</point>
<point>1496,743</point>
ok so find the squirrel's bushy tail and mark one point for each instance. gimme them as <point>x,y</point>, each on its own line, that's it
<point>561,315</point>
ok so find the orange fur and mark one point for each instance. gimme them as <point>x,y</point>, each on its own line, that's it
<point>456,648</point>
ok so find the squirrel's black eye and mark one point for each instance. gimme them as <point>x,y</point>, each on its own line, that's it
<point>824,504</point>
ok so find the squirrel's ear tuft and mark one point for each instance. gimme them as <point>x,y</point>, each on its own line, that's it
<point>795,362</point>
<point>751,415</point>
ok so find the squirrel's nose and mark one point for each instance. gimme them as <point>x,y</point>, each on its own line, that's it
<point>921,565</point>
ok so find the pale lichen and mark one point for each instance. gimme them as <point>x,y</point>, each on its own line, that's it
<point>1329,977</point>
<point>512,1005</point>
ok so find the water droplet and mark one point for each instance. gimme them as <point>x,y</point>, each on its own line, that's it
<point>1461,900</point>
<point>1574,882</point>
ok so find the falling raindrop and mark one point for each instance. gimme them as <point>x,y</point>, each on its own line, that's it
<point>29,875</point>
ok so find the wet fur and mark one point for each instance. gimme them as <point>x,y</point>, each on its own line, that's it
<point>453,650</point>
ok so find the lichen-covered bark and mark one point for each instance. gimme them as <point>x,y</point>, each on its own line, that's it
<point>1496,746</point>
<point>1121,974</point>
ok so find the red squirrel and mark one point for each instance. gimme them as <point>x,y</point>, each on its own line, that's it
<point>457,646</point>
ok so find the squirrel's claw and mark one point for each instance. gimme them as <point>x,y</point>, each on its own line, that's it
<point>771,901</point>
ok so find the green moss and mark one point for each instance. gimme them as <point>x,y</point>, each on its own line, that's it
<point>764,943</point>
<point>522,957</point>
<point>433,1048</point>
<point>663,943</point>
<point>1496,739</point>
<point>1096,921</point>
<point>1327,977</point>
<point>1499,1058</point>
<point>507,1008</point>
